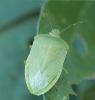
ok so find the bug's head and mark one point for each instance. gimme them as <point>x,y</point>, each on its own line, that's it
<point>55,33</point>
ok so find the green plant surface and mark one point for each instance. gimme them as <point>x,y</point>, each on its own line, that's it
<point>13,9</point>
<point>80,60</point>
<point>14,46</point>
<point>85,90</point>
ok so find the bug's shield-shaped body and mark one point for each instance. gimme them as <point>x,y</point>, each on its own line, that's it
<point>45,63</point>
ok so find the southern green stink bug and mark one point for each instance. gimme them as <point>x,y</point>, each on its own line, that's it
<point>45,62</point>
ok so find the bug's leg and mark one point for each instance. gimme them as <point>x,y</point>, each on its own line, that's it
<point>30,42</point>
<point>30,46</point>
<point>24,61</point>
<point>43,97</point>
<point>65,70</point>
<point>56,88</point>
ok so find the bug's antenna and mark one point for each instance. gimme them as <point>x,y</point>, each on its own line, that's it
<point>50,20</point>
<point>53,24</point>
<point>69,26</point>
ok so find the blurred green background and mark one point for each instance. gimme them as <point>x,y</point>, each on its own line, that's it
<point>18,25</point>
<point>18,21</point>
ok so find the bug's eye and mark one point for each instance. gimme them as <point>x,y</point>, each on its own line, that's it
<point>45,63</point>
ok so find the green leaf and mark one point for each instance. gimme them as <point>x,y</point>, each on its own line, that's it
<point>80,60</point>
